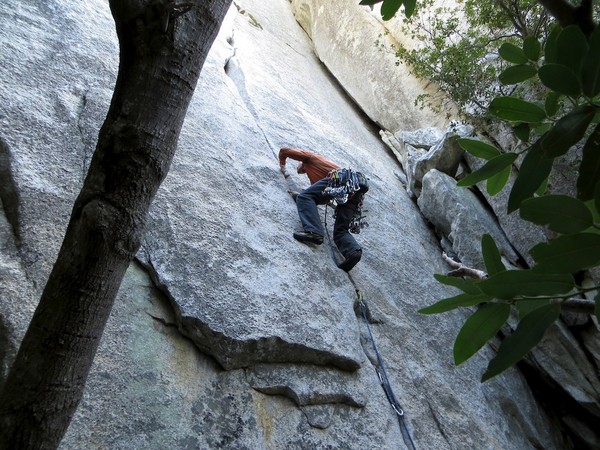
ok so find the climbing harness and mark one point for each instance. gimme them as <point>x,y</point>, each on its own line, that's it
<point>343,183</point>
<point>383,379</point>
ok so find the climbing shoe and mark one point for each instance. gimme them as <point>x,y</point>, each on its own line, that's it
<point>308,238</point>
<point>351,260</point>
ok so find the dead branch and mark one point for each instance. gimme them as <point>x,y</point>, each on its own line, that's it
<point>462,270</point>
<point>576,305</point>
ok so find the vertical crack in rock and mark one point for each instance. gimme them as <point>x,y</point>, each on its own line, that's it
<point>7,350</point>
<point>251,18</point>
<point>9,194</point>
<point>235,72</point>
<point>371,125</point>
<point>87,153</point>
<point>438,424</point>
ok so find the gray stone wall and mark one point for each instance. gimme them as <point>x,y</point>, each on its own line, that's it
<point>228,333</point>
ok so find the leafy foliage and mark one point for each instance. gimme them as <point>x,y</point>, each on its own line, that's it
<point>528,334</point>
<point>456,47</point>
<point>482,326</point>
<point>389,8</point>
<point>539,292</point>
<point>559,69</point>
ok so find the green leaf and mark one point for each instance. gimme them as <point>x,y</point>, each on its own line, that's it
<point>542,128</point>
<point>478,329</point>
<point>513,54</point>
<point>597,197</point>
<point>478,148</point>
<point>409,7</point>
<point>461,300</point>
<point>390,8</point>
<point>563,214</point>
<point>571,47</point>
<point>516,110</point>
<point>533,172</point>
<point>590,72</point>
<point>550,46</point>
<point>560,79</point>
<point>592,206</point>
<point>523,131</point>
<point>497,182</point>
<point>528,334</point>
<point>509,284</point>
<point>369,2</point>
<point>567,254</point>
<point>467,286</point>
<point>491,255</point>
<point>551,105</point>
<point>532,48</point>
<point>517,74</point>
<point>525,306</point>
<point>490,168</point>
<point>589,170</point>
<point>542,189</point>
<point>567,131</point>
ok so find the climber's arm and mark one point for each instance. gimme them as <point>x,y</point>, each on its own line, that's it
<point>298,155</point>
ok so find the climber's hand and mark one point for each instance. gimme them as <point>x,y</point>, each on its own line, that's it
<point>284,171</point>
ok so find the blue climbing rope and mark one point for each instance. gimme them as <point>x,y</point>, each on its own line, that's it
<point>383,379</point>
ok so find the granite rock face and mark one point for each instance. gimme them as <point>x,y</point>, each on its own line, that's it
<point>228,333</point>
<point>358,49</point>
<point>566,360</point>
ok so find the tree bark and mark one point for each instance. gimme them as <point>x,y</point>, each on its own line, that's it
<point>567,14</point>
<point>162,49</point>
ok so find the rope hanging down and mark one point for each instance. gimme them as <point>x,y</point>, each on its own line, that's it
<point>383,379</point>
<point>379,367</point>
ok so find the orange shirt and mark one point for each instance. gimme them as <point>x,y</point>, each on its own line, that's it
<point>316,166</point>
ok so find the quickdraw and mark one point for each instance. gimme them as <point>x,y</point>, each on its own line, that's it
<point>358,221</point>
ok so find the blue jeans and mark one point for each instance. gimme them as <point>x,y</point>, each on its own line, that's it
<point>308,212</point>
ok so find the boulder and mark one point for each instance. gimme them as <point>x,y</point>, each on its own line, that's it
<point>458,215</point>
<point>422,150</point>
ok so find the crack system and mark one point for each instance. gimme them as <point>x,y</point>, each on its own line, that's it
<point>9,194</point>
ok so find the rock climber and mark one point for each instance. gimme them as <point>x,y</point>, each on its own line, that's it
<point>318,168</point>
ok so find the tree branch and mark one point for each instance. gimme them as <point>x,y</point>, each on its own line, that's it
<point>461,269</point>
<point>577,305</point>
<point>561,10</point>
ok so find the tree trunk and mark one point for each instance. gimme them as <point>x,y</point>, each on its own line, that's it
<point>567,14</point>
<point>162,49</point>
